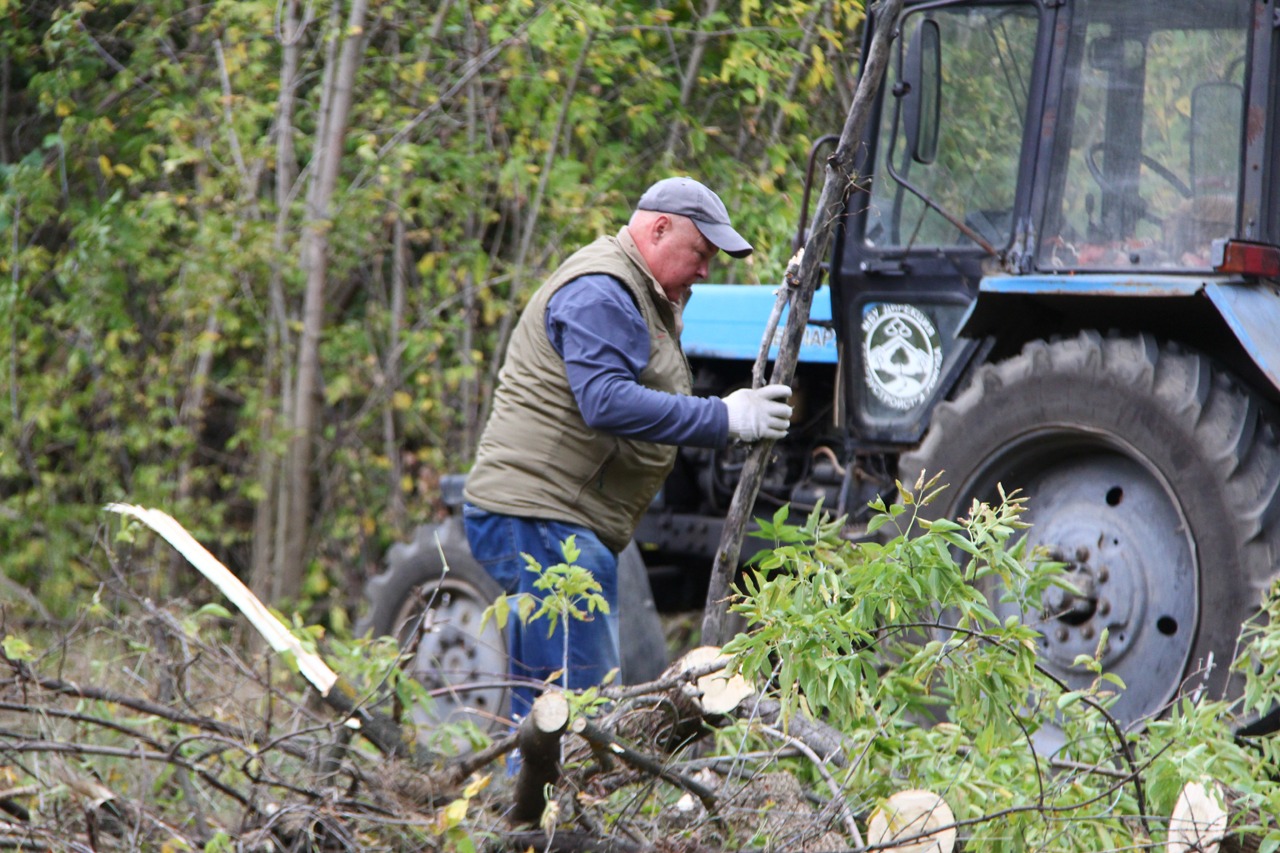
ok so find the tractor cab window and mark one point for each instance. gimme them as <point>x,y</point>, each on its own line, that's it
<point>1148,174</point>
<point>951,130</point>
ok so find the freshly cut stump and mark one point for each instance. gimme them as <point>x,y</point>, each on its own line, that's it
<point>539,740</point>
<point>1198,821</point>
<point>908,814</point>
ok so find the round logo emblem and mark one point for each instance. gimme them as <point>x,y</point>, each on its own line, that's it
<point>902,353</point>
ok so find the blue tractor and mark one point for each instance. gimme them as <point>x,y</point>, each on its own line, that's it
<point>1059,273</point>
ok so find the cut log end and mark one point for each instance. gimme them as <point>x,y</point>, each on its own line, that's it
<point>1198,821</point>
<point>715,693</point>
<point>908,814</point>
<point>550,712</point>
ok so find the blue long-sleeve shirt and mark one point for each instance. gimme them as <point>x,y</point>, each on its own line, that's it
<point>596,327</point>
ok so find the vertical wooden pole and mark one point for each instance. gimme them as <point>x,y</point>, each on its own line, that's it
<point>839,183</point>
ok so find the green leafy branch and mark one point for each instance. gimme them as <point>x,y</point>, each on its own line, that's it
<point>568,592</point>
<point>898,643</point>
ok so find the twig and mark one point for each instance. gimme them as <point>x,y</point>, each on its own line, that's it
<point>601,739</point>
<point>837,795</point>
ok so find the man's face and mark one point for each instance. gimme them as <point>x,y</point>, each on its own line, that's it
<point>681,256</point>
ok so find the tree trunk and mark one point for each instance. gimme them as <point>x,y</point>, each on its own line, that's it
<point>690,78</point>
<point>267,518</point>
<point>539,739</point>
<point>397,511</point>
<point>315,252</point>
<point>793,83</point>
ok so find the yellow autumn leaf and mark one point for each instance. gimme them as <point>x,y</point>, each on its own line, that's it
<point>476,786</point>
<point>454,813</point>
<point>401,401</point>
<point>104,163</point>
<point>818,72</point>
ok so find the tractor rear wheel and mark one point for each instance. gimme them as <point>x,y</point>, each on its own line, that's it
<point>1152,474</point>
<point>417,601</point>
<point>466,666</point>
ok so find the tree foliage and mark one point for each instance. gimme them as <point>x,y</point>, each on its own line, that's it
<point>158,163</point>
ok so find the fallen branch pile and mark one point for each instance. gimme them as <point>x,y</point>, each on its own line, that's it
<point>141,727</point>
<point>206,746</point>
<point>137,731</point>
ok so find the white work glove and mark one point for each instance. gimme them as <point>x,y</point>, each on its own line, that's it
<point>756,413</point>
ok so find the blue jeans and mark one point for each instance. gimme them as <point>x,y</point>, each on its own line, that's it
<point>498,542</point>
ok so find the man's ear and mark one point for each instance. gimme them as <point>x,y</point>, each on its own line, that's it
<point>661,226</point>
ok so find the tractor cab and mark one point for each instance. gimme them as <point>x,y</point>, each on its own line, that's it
<point>1035,166</point>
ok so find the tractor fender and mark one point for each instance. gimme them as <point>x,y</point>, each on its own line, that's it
<point>1252,312</point>
<point>1241,329</point>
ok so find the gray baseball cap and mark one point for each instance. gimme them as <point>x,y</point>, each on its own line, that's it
<point>687,197</point>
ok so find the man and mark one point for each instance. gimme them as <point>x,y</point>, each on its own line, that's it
<point>592,401</point>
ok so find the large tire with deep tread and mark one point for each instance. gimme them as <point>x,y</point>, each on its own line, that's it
<point>1152,473</point>
<point>458,659</point>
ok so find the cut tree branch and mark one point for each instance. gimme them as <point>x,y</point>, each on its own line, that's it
<point>839,183</point>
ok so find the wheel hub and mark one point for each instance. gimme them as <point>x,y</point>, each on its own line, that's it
<point>452,652</point>
<point>1130,598</point>
<point>1103,600</point>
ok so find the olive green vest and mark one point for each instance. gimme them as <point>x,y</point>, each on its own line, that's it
<point>537,457</point>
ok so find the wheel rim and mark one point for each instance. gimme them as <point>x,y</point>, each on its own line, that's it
<point>462,665</point>
<point>1116,524</point>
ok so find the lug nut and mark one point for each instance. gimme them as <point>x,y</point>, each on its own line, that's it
<point>1053,598</point>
